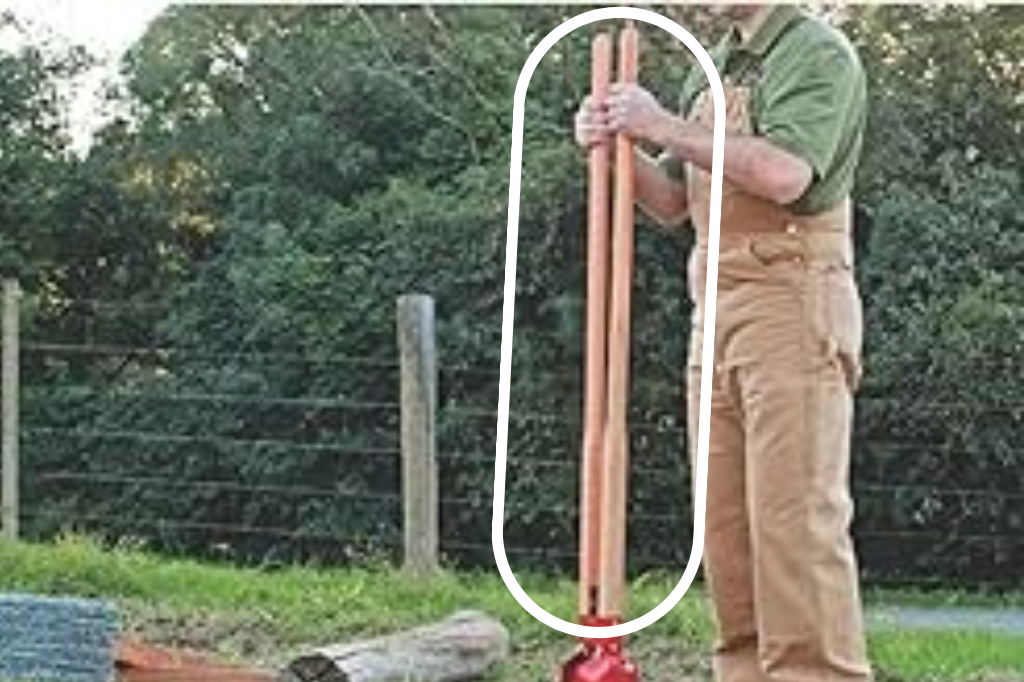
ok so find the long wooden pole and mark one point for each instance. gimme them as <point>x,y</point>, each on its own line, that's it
<point>595,386</point>
<point>616,443</point>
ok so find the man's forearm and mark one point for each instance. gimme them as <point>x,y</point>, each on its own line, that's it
<point>751,163</point>
<point>657,194</point>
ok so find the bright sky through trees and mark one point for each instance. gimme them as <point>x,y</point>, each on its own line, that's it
<point>106,27</point>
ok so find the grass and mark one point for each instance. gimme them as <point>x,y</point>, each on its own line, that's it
<point>265,617</point>
<point>944,655</point>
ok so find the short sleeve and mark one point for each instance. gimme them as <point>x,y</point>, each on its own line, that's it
<point>807,111</point>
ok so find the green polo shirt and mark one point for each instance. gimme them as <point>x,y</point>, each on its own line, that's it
<point>808,96</point>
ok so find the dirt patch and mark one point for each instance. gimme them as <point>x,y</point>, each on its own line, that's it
<point>250,637</point>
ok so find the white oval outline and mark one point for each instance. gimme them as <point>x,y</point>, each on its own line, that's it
<point>508,307</point>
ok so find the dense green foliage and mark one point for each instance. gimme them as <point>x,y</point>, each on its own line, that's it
<point>280,175</point>
<point>944,290</point>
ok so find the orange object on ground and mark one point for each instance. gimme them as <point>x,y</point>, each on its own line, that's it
<point>137,661</point>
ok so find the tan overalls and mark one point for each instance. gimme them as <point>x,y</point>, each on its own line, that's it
<point>778,558</point>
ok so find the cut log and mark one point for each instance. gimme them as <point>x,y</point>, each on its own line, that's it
<point>465,646</point>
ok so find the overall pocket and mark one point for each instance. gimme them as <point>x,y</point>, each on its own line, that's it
<point>837,315</point>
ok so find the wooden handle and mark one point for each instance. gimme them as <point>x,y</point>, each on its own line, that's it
<point>595,384</point>
<point>616,441</point>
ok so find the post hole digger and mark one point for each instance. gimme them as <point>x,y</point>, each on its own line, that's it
<point>605,439</point>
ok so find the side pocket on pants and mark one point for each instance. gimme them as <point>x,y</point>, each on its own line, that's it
<point>838,316</point>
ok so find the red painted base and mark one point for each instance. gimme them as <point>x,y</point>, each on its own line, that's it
<point>600,660</point>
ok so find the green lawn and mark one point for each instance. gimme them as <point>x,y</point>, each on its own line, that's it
<point>263,617</point>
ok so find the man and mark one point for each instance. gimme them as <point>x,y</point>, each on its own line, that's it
<point>778,557</point>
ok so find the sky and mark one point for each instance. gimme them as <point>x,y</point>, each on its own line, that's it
<point>106,27</point>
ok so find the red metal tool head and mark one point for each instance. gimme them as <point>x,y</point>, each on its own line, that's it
<point>600,660</point>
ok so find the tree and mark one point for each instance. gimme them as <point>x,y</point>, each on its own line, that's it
<point>282,174</point>
<point>943,284</point>
<point>33,143</point>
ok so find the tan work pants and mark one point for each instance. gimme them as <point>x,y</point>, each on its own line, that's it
<point>778,558</point>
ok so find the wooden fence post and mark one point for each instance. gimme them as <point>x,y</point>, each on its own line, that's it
<point>418,352</point>
<point>11,388</point>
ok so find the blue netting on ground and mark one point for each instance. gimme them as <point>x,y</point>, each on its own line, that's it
<point>56,640</point>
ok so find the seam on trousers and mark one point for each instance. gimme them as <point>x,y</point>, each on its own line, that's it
<point>812,434</point>
<point>817,378</point>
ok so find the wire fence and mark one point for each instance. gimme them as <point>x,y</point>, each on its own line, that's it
<point>153,451</point>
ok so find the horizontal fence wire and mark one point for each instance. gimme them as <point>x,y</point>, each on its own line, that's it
<point>107,520</point>
<point>682,549</point>
<point>889,490</point>
<point>153,437</point>
<point>455,370</point>
<point>163,482</point>
<point>570,510</point>
<point>560,553</point>
<point>673,563</point>
<point>570,465</point>
<point>859,484</point>
<point>249,400</point>
<point>30,346</point>
<point>664,424</point>
<point>256,357</point>
<point>944,406</point>
<point>106,478</point>
<point>946,536</point>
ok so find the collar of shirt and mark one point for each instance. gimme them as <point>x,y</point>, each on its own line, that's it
<point>774,25</point>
